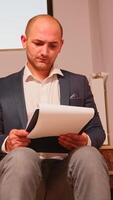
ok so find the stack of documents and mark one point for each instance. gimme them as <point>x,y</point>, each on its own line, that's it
<point>54,120</point>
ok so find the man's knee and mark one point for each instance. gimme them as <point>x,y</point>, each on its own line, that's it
<point>87,159</point>
<point>23,160</point>
<point>21,169</point>
<point>22,154</point>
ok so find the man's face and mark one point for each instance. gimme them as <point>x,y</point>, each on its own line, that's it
<point>42,44</point>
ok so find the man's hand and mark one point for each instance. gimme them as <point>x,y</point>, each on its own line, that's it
<point>72,141</point>
<point>16,138</point>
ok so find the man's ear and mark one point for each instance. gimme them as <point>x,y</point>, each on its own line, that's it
<point>23,40</point>
<point>62,42</point>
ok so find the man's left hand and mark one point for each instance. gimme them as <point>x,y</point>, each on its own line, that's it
<point>72,141</point>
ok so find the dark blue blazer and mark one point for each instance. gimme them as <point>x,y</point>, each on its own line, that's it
<point>74,91</point>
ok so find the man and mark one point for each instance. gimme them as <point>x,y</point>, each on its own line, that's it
<point>74,166</point>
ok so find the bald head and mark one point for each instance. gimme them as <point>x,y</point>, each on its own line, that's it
<point>43,19</point>
<point>43,42</point>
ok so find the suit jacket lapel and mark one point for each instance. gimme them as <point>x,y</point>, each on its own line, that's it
<point>64,90</point>
<point>19,98</point>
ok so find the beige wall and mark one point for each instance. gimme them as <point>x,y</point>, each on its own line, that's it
<point>88,46</point>
<point>74,16</point>
<point>106,27</point>
<point>11,61</point>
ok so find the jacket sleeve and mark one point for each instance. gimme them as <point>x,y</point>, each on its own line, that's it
<point>2,136</point>
<point>94,128</point>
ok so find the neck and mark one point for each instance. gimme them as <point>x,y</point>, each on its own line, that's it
<point>39,74</point>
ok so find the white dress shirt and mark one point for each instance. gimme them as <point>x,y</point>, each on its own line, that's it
<point>45,91</point>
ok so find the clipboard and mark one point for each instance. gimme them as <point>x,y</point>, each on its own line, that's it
<point>53,120</point>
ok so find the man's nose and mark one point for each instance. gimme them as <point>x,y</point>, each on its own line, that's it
<point>44,50</point>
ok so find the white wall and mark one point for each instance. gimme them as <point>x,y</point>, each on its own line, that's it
<point>12,24</point>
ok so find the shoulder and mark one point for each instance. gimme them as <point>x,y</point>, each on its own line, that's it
<point>8,83</point>
<point>11,77</point>
<point>72,75</point>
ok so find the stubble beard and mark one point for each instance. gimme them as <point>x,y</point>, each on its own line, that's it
<point>41,68</point>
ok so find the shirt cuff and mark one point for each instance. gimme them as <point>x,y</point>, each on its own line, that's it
<point>3,148</point>
<point>89,141</point>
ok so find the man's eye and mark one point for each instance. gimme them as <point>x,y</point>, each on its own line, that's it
<point>53,46</point>
<point>38,43</point>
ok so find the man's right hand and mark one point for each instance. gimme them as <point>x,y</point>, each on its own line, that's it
<point>17,138</point>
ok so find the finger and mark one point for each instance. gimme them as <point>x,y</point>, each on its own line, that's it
<point>75,138</point>
<point>72,141</point>
<point>22,139</point>
<point>20,133</point>
<point>67,139</point>
<point>19,144</point>
<point>67,144</point>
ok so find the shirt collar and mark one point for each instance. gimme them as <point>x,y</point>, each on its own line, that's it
<point>28,76</point>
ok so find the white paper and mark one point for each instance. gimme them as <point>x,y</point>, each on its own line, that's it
<point>55,120</point>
